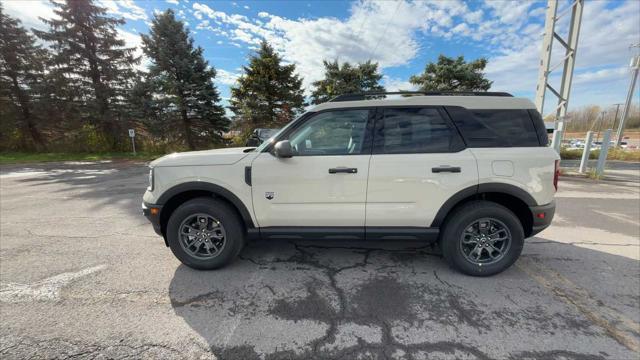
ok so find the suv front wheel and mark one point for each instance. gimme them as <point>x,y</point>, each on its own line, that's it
<point>482,238</point>
<point>205,233</point>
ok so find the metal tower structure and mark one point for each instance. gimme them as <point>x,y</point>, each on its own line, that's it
<point>570,45</point>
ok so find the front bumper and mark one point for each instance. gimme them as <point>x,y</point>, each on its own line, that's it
<point>152,213</point>
<point>542,216</point>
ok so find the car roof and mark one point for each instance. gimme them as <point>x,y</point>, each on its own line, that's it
<point>469,102</point>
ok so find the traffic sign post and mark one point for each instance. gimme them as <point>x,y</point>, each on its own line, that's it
<point>132,135</point>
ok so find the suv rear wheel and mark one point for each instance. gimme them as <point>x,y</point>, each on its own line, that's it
<point>205,233</point>
<point>482,238</point>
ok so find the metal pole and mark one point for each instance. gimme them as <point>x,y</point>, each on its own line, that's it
<point>587,151</point>
<point>604,149</point>
<point>615,117</point>
<point>571,47</point>
<point>133,143</point>
<point>635,63</point>
<point>545,57</point>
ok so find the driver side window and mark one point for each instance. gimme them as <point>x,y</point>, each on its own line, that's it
<point>342,132</point>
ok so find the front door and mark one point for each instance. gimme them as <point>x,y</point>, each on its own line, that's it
<point>325,183</point>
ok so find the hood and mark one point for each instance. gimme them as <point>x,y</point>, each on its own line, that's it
<point>226,156</point>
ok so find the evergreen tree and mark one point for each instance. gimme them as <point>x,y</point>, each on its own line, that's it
<point>268,94</point>
<point>90,65</point>
<point>185,81</point>
<point>21,77</point>
<point>450,74</point>
<point>346,79</point>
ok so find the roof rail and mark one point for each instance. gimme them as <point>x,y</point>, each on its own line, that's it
<point>364,96</point>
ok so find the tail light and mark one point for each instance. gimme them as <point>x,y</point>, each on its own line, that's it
<point>556,174</point>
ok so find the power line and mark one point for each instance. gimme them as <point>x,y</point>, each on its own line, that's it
<point>387,26</point>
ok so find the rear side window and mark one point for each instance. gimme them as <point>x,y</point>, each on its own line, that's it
<point>495,128</point>
<point>414,130</point>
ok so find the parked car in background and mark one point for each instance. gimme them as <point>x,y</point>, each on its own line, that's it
<point>259,136</point>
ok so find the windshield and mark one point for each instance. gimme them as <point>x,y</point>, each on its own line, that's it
<point>270,140</point>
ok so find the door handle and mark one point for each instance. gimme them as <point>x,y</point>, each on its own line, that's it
<point>343,170</point>
<point>441,169</point>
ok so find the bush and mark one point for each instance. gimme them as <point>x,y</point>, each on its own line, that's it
<point>613,154</point>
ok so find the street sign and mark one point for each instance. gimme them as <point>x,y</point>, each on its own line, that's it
<point>132,135</point>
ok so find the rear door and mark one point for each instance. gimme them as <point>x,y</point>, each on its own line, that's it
<point>418,162</point>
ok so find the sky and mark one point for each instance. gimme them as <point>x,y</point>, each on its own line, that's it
<point>402,36</point>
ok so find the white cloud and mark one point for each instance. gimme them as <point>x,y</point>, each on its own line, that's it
<point>174,2</point>
<point>226,77</point>
<point>397,84</point>
<point>29,12</point>
<point>384,32</point>
<point>124,8</point>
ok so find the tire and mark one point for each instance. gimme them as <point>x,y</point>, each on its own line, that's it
<point>223,223</point>
<point>466,232</point>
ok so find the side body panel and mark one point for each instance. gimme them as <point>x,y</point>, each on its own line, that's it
<point>403,190</point>
<point>529,168</point>
<point>304,193</point>
<point>229,177</point>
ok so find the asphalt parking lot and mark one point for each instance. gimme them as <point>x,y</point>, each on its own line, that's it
<point>83,275</point>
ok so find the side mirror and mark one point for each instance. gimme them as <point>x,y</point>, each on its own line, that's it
<point>283,149</point>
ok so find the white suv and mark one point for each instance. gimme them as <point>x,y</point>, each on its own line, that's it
<point>469,170</point>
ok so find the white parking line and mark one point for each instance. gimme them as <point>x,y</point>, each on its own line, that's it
<point>43,290</point>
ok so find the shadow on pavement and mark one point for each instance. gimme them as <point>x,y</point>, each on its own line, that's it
<point>347,300</point>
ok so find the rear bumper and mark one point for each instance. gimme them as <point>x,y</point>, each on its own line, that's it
<point>542,216</point>
<point>154,218</point>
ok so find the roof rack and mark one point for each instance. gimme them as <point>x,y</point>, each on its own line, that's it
<point>364,96</point>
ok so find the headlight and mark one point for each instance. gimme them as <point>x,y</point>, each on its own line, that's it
<point>150,188</point>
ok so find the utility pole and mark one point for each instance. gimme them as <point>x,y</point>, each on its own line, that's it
<point>570,45</point>
<point>635,66</point>
<point>615,117</point>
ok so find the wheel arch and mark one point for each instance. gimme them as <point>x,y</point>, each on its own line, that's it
<point>510,196</point>
<point>179,194</point>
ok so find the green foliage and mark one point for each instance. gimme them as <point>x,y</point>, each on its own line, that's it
<point>612,154</point>
<point>179,86</point>
<point>21,78</point>
<point>268,94</point>
<point>450,74</point>
<point>90,69</point>
<point>346,79</point>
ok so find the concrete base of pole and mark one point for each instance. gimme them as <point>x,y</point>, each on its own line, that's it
<point>587,151</point>
<point>602,159</point>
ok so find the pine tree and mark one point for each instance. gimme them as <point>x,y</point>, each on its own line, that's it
<point>450,74</point>
<point>21,77</point>
<point>90,64</point>
<point>184,78</point>
<point>346,79</point>
<point>268,94</point>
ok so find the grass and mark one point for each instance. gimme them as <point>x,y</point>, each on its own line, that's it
<point>613,154</point>
<point>23,157</point>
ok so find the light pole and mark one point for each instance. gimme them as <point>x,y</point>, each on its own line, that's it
<point>635,65</point>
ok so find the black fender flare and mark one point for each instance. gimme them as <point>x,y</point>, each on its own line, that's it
<point>503,188</point>
<point>216,190</point>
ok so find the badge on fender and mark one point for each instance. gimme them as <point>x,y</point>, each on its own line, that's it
<point>269,195</point>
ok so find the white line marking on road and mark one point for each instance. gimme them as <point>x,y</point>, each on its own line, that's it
<point>617,216</point>
<point>43,290</point>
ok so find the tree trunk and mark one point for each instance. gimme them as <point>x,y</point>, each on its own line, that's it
<point>28,126</point>
<point>186,123</point>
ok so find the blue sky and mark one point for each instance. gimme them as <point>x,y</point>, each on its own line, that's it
<point>401,35</point>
